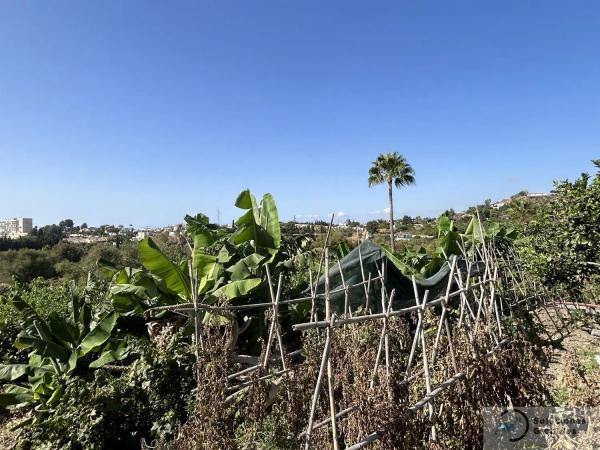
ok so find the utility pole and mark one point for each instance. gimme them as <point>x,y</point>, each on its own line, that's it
<point>218,216</point>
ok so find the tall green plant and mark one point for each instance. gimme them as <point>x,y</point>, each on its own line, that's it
<point>449,241</point>
<point>60,346</point>
<point>394,170</point>
<point>220,267</point>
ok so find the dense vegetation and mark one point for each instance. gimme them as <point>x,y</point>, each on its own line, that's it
<point>87,361</point>
<point>562,242</point>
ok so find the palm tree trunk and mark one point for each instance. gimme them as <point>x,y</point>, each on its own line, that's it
<point>392,240</point>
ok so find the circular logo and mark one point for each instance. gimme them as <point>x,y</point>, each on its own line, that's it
<point>514,424</point>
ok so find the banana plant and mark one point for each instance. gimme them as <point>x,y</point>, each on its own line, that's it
<point>220,268</point>
<point>60,346</point>
<point>422,264</point>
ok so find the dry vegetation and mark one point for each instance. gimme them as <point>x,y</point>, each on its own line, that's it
<point>256,419</point>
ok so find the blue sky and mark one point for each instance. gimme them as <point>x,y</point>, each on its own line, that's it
<point>139,112</point>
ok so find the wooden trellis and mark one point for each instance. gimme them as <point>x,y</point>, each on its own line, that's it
<point>484,298</point>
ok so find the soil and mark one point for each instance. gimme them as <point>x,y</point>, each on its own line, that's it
<point>575,337</point>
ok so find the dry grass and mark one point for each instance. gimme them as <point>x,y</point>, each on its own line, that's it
<point>271,414</point>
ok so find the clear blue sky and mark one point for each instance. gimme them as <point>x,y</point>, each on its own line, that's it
<point>138,112</point>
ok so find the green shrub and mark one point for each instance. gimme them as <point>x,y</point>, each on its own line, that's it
<point>116,410</point>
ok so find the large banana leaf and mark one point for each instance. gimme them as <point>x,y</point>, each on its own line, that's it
<point>207,269</point>
<point>235,289</point>
<point>200,230</point>
<point>201,262</point>
<point>258,224</point>
<point>108,268</point>
<point>269,219</point>
<point>447,242</point>
<point>474,231</point>
<point>156,262</point>
<point>406,269</point>
<point>251,230</point>
<point>63,330</point>
<point>111,352</point>
<point>246,200</point>
<point>245,267</point>
<point>14,395</point>
<point>44,347</point>
<point>99,334</point>
<point>127,298</point>
<point>10,372</point>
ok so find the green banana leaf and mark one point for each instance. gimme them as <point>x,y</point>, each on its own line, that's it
<point>258,224</point>
<point>99,334</point>
<point>44,347</point>
<point>245,267</point>
<point>11,372</point>
<point>269,220</point>
<point>108,269</point>
<point>235,289</point>
<point>156,262</point>
<point>65,331</point>
<point>14,395</point>
<point>198,227</point>
<point>112,352</point>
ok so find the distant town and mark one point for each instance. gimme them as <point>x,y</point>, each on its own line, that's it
<point>407,228</point>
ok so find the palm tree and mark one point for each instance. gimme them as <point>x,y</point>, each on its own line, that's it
<point>391,168</point>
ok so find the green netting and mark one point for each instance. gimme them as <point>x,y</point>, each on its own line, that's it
<point>373,259</point>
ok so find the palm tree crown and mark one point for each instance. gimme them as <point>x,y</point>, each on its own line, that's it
<point>391,168</point>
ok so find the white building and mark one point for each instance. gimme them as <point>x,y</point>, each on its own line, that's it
<point>539,194</point>
<point>500,204</point>
<point>17,227</point>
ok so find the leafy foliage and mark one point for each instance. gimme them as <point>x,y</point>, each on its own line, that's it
<point>147,402</point>
<point>221,267</point>
<point>60,346</point>
<point>422,264</point>
<point>563,244</point>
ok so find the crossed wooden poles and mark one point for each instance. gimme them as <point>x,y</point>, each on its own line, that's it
<point>484,299</point>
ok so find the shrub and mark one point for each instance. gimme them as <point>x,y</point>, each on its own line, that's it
<point>117,410</point>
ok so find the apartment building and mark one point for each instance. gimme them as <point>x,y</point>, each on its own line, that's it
<point>17,227</point>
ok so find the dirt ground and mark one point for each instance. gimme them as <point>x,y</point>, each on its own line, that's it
<point>7,437</point>
<point>574,338</point>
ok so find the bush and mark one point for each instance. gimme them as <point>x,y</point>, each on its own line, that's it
<point>563,245</point>
<point>147,401</point>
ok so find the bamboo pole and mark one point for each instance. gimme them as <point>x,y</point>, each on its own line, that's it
<point>426,365</point>
<point>420,323</point>
<point>274,329</point>
<point>381,341</point>
<point>325,244</point>
<point>346,306</point>
<point>444,309</point>
<point>250,382</point>
<point>313,405</point>
<point>327,421</point>
<point>330,380</point>
<point>313,297</point>
<point>368,440</point>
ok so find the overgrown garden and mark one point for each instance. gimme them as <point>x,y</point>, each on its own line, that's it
<point>139,350</point>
